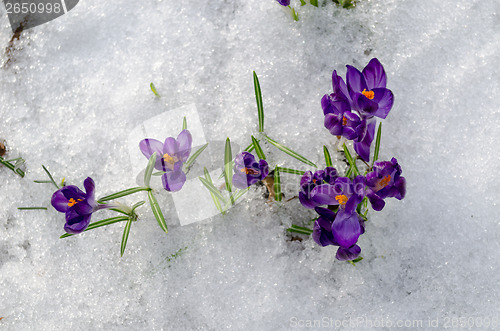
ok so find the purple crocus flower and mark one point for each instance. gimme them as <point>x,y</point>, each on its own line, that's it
<point>247,171</point>
<point>309,181</point>
<point>77,205</point>
<point>368,91</point>
<point>284,2</point>
<point>170,157</point>
<point>346,194</point>
<point>385,181</point>
<point>325,229</point>
<point>363,143</point>
<point>339,120</point>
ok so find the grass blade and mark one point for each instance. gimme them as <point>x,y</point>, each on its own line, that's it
<point>123,193</point>
<point>299,231</point>
<point>50,176</point>
<point>352,163</point>
<point>302,228</point>
<point>210,186</point>
<point>8,164</point>
<point>153,88</point>
<point>291,171</point>
<point>98,224</point>
<point>277,184</point>
<point>258,98</point>
<point>157,211</point>
<point>149,169</point>
<point>126,232</point>
<point>32,208</point>
<point>42,181</point>
<point>349,172</point>
<point>250,148</point>
<point>290,152</point>
<point>184,123</point>
<point>193,157</point>
<point>377,143</point>
<point>137,205</point>
<point>228,169</point>
<point>240,193</point>
<point>328,158</point>
<point>214,196</point>
<point>258,149</point>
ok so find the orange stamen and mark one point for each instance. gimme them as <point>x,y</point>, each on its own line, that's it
<point>369,94</point>
<point>344,120</point>
<point>342,199</point>
<point>73,202</point>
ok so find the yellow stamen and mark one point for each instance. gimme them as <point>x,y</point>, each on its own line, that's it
<point>168,158</point>
<point>73,202</point>
<point>342,199</point>
<point>314,181</point>
<point>383,182</point>
<point>369,94</point>
<point>249,171</point>
<point>344,120</point>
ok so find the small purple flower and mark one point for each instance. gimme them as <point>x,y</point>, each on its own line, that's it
<point>247,171</point>
<point>368,91</point>
<point>342,192</point>
<point>363,143</point>
<point>170,157</point>
<point>77,205</point>
<point>309,181</point>
<point>284,2</point>
<point>326,232</point>
<point>385,181</point>
<point>339,120</point>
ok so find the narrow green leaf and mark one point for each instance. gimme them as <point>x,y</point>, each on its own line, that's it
<point>290,152</point>
<point>291,171</point>
<point>137,205</point>
<point>356,260</point>
<point>277,184</point>
<point>50,177</point>
<point>12,166</point>
<point>184,123</point>
<point>377,143</point>
<point>126,232</point>
<point>228,169</point>
<point>210,186</point>
<point>295,15</point>
<point>352,163</point>
<point>157,211</point>
<point>149,170</point>
<point>123,193</point>
<point>299,231</point>
<point>258,149</point>
<point>119,211</point>
<point>159,173</point>
<point>258,98</point>
<point>153,88</point>
<point>193,157</point>
<point>302,3</point>
<point>42,181</point>
<point>302,228</point>
<point>98,224</point>
<point>328,159</point>
<point>32,208</point>
<point>349,172</point>
<point>250,148</point>
<point>314,3</point>
<point>240,193</point>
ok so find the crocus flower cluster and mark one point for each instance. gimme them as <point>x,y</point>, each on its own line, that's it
<point>77,205</point>
<point>351,109</point>
<point>170,157</point>
<point>340,224</point>
<point>247,171</point>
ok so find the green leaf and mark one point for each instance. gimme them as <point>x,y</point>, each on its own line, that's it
<point>119,211</point>
<point>12,166</point>
<point>153,88</point>
<point>250,148</point>
<point>32,208</point>
<point>290,152</point>
<point>356,260</point>
<point>328,159</point>
<point>258,149</point>
<point>314,3</point>
<point>302,228</point>
<point>295,15</point>
<point>126,232</point>
<point>258,98</point>
<point>149,170</point>
<point>184,123</point>
<point>215,196</point>
<point>377,143</point>
<point>296,230</point>
<point>240,193</point>
<point>291,171</point>
<point>50,177</point>
<point>302,3</point>
<point>193,157</point>
<point>123,193</point>
<point>98,224</point>
<point>349,172</point>
<point>42,181</point>
<point>159,173</point>
<point>352,163</point>
<point>137,205</point>
<point>228,169</point>
<point>157,211</point>
<point>210,186</point>
<point>277,184</point>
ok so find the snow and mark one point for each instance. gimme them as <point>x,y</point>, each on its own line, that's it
<point>76,88</point>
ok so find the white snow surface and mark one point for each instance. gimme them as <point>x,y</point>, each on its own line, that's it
<point>74,89</point>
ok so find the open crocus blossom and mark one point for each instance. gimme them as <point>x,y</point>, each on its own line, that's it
<point>77,205</point>
<point>367,90</point>
<point>324,234</point>
<point>170,157</point>
<point>385,181</point>
<point>339,120</point>
<point>247,171</point>
<point>284,2</point>
<point>309,181</point>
